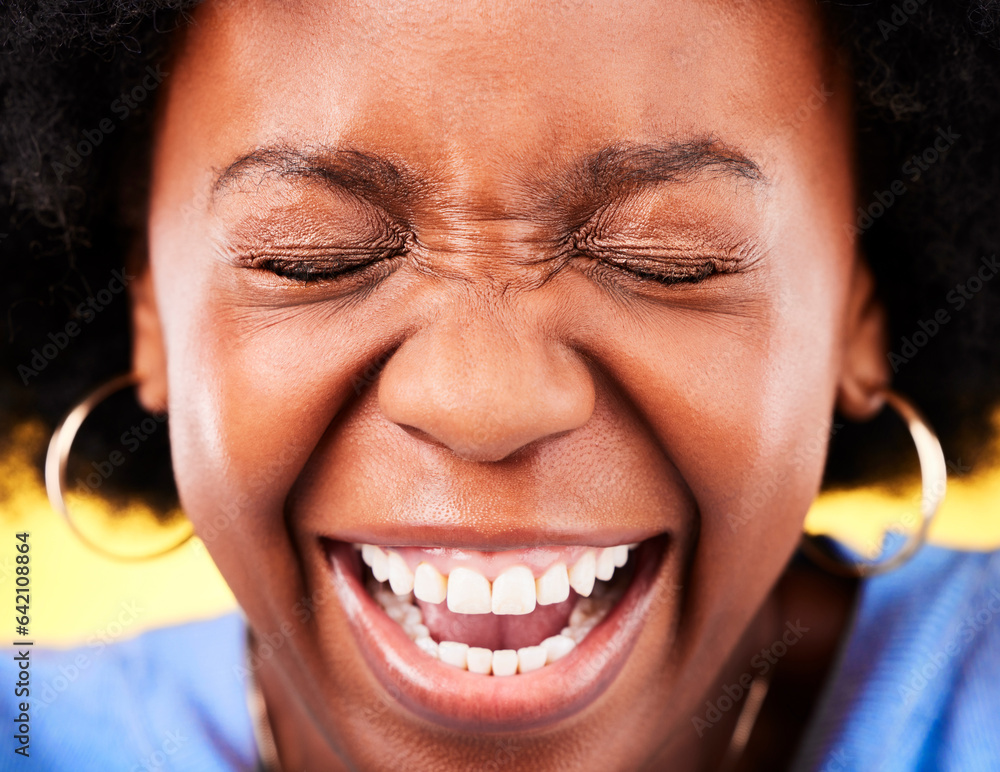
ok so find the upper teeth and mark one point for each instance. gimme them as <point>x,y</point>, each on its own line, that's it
<point>553,585</point>
<point>400,577</point>
<point>515,591</point>
<point>468,592</point>
<point>428,584</point>
<point>587,613</point>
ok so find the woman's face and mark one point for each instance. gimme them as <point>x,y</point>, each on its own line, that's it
<point>500,277</point>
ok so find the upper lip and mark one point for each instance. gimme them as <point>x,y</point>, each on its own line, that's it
<point>471,537</point>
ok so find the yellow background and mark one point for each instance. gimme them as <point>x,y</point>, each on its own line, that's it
<point>79,596</point>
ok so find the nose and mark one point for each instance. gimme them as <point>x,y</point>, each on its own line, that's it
<point>483,391</point>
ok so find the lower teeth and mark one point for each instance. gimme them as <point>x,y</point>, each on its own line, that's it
<point>586,615</point>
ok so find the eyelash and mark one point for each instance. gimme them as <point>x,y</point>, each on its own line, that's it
<point>618,264</point>
<point>306,266</point>
<point>611,264</point>
<point>306,272</point>
<point>698,272</point>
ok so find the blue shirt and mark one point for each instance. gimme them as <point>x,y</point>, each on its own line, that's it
<point>169,699</point>
<point>916,687</point>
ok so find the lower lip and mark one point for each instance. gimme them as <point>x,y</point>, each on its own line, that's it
<point>460,700</point>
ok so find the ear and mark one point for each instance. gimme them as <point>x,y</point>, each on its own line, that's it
<point>149,360</point>
<point>864,374</point>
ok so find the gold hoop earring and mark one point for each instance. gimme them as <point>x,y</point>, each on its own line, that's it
<point>933,483</point>
<point>57,457</point>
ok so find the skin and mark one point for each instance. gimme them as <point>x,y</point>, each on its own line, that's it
<point>499,373</point>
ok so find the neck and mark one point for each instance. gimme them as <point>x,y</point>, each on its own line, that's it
<point>818,607</point>
<point>810,598</point>
<point>299,742</point>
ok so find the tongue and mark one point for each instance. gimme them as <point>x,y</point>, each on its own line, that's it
<point>492,631</point>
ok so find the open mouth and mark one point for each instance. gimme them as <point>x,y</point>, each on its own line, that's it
<point>497,613</point>
<point>439,626</point>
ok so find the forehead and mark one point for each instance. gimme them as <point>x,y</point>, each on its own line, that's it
<point>462,90</point>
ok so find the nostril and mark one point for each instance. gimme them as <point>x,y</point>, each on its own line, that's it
<point>478,446</point>
<point>423,436</point>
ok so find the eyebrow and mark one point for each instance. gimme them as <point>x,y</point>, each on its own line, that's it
<point>630,165</point>
<point>613,170</point>
<point>364,173</point>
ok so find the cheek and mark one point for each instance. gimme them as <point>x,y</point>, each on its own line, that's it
<point>252,389</point>
<point>243,409</point>
<point>741,401</point>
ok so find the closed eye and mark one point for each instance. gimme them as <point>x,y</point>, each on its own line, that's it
<point>657,264</point>
<point>314,264</point>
